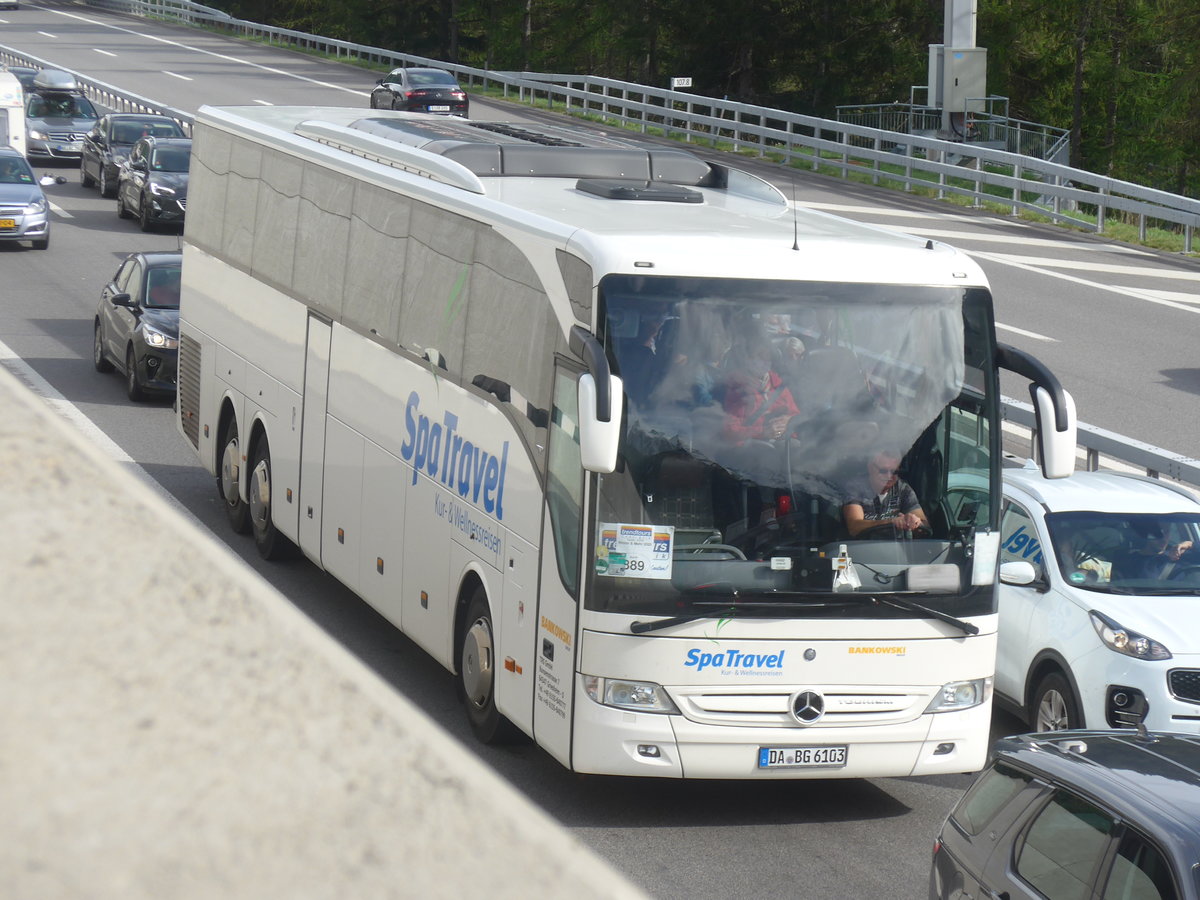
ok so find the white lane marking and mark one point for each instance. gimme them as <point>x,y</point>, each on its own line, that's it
<point>1029,334</point>
<point>1148,296</point>
<point>226,57</point>
<point>264,102</point>
<point>177,75</point>
<point>1090,266</point>
<point>952,237</point>
<point>886,211</point>
<point>48,34</point>
<point>105,52</point>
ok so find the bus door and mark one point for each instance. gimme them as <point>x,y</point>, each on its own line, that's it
<point>558,609</point>
<point>312,435</point>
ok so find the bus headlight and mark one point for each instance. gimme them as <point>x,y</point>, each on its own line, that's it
<point>638,696</point>
<point>960,695</point>
<point>1125,641</point>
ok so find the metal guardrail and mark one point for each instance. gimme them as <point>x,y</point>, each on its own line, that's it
<point>1096,445</point>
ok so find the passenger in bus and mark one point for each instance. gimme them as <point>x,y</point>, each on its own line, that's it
<point>641,364</point>
<point>758,405</point>
<point>883,498</point>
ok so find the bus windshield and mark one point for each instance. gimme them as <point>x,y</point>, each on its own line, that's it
<point>759,411</point>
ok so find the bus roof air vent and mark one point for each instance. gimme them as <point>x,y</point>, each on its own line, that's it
<point>619,189</point>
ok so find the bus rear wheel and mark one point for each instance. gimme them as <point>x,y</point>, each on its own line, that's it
<point>477,674</point>
<point>236,511</point>
<point>270,543</point>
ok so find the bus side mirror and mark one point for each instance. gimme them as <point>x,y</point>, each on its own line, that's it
<point>598,440</point>
<point>1056,449</point>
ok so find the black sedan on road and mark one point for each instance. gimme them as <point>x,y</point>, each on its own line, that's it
<point>420,90</point>
<point>152,183</point>
<point>108,144</point>
<point>137,323</point>
<point>1093,815</point>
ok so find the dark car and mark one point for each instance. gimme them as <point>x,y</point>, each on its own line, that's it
<point>153,181</point>
<point>137,323</point>
<point>57,116</point>
<point>1095,815</point>
<point>108,144</point>
<point>420,90</point>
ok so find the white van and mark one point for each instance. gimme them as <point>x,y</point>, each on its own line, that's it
<point>12,111</point>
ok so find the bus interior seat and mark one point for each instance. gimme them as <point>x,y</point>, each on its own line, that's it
<point>829,378</point>
<point>678,491</point>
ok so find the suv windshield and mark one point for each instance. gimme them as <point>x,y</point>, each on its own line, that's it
<point>60,106</point>
<point>757,411</point>
<point>170,159</point>
<point>1127,553</point>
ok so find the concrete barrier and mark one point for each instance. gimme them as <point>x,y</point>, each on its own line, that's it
<point>171,727</point>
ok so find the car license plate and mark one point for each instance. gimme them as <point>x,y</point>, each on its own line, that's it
<point>439,109</point>
<point>802,757</point>
<point>69,148</point>
<point>8,224</point>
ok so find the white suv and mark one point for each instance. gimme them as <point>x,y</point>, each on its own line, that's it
<point>1105,629</point>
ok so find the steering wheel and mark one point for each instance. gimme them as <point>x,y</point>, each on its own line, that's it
<point>888,531</point>
<point>748,539</point>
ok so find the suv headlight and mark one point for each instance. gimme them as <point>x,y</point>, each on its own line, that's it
<point>1125,641</point>
<point>38,135</point>
<point>958,695</point>
<point>638,696</point>
<point>159,190</point>
<point>160,339</point>
<point>35,207</point>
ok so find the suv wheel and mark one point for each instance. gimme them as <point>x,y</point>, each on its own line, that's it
<point>1054,706</point>
<point>84,178</point>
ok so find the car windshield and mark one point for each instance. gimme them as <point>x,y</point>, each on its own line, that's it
<point>1127,553</point>
<point>162,287</point>
<point>15,171</point>
<point>423,79</point>
<point>61,106</point>
<point>760,412</point>
<point>170,159</point>
<point>132,132</point>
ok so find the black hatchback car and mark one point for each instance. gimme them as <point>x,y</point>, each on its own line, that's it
<point>152,183</point>
<point>108,144</point>
<point>1085,815</point>
<point>420,90</point>
<point>137,323</point>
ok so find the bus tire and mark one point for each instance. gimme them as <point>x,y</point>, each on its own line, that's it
<point>270,543</point>
<point>236,510</point>
<point>1054,706</point>
<point>477,674</point>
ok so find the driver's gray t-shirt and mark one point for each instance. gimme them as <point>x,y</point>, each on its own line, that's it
<point>900,498</point>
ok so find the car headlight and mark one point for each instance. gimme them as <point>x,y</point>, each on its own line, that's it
<point>160,339</point>
<point>957,695</point>
<point>38,135</point>
<point>160,190</point>
<point>638,696</point>
<point>35,207</point>
<point>1125,641</point>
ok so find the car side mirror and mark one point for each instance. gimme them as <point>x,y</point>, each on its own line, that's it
<point>125,300</point>
<point>1018,572</point>
<point>379,81</point>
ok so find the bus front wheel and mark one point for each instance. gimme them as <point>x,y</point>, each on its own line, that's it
<point>477,674</point>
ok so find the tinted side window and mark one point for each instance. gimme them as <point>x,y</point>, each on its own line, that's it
<point>121,279</point>
<point>1139,872</point>
<point>1019,539</point>
<point>1064,847</point>
<point>990,793</point>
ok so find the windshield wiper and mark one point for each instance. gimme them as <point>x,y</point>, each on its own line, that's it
<point>788,600</point>
<point>911,606</point>
<point>640,627</point>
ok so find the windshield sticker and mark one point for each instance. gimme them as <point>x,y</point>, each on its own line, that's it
<point>635,551</point>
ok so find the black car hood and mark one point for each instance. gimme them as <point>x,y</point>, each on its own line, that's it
<point>165,320</point>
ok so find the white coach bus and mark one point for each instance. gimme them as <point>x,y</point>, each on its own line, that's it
<point>500,381</point>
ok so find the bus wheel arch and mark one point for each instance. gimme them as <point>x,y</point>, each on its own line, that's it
<point>476,663</point>
<point>229,465</point>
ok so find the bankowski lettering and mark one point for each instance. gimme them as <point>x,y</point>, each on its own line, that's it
<point>733,659</point>
<point>1024,544</point>
<point>438,450</point>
